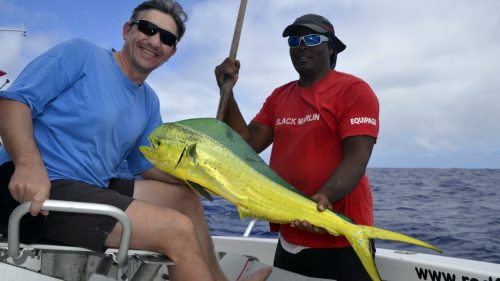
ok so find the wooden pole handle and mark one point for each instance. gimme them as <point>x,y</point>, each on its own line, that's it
<point>226,85</point>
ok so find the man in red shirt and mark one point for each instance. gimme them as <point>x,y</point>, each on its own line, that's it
<point>323,128</point>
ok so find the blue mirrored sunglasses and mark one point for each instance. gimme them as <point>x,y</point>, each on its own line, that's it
<point>150,29</point>
<point>310,40</point>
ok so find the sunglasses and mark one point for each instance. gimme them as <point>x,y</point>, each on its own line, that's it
<point>310,40</point>
<point>150,29</point>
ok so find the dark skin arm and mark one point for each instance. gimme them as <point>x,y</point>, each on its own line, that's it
<point>357,151</point>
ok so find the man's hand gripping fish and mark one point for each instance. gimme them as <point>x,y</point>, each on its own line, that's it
<point>212,158</point>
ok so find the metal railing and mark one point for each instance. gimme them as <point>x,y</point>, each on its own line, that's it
<point>71,207</point>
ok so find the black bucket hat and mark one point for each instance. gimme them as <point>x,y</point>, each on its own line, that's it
<point>318,24</point>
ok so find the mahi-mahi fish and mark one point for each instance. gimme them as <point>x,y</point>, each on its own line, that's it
<point>213,159</point>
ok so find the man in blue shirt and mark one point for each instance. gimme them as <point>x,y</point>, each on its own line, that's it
<point>77,113</point>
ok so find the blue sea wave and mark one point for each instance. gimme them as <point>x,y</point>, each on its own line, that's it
<point>458,210</point>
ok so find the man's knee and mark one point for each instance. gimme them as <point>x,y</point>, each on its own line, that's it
<point>178,226</point>
<point>161,220</point>
<point>155,226</point>
<point>183,225</point>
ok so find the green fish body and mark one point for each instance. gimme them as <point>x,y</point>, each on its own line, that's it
<point>212,158</point>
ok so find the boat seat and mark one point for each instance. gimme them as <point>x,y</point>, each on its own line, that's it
<point>237,266</point>
<point>42,262</point>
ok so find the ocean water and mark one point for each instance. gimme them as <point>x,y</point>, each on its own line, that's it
<point>457,210</point>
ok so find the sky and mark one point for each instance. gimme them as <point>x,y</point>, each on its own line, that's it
<point>434,65</point>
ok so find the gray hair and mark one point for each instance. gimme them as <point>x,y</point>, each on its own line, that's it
<point>169,7</point>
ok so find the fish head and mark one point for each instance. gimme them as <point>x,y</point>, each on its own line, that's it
<point>166,148</point>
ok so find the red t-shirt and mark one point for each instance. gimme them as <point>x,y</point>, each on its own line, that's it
<point>309,125</point>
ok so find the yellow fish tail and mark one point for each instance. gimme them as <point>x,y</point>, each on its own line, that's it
<point>359,237</point>
<point>360,242</point>
<point>375,232</point>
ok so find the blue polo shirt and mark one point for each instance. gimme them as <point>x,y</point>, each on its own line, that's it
<point>88,117</point>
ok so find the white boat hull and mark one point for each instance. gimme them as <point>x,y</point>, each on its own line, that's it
<point>392,265</point>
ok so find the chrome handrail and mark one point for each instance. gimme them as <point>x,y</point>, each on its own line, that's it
<point>250,227</point>
<point>71,207</point>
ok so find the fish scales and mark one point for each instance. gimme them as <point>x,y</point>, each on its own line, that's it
<point>209,156</point>
<point>218,162</point>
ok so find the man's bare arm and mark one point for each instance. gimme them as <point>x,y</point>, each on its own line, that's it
<point>30,180</point>
<point>357,151</point>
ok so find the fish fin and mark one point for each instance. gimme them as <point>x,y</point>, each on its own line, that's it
<point>188,150</point>
<point>375,232</point>
<point>200,189</point>
<point>244,212</point>
<point>191,151</point>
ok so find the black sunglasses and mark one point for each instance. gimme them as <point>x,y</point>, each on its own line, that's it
<point>150,29</point>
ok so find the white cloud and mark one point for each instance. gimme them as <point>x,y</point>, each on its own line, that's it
<point>433,65</point>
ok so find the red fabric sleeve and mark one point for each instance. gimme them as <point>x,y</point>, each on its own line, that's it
<point>360,115</point>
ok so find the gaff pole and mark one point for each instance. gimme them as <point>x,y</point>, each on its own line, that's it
<point>226,85</point>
